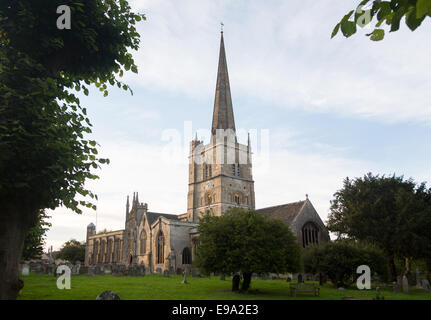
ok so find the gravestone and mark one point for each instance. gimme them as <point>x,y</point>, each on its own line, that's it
<point>405,284</point>
<point>75,270</point>
<point>222,277</point>
<point>91,271</point>
<point>340,289</point>
<point>166,273</point>
<point>418,279</point>
<point>147,271</point>
<point>185,277</point>
<point>107,269</point>
<point>396,287</point>
<point>25,271</point>
<point>159,271</point>
<point>426,285</point>
<point>108,295</point>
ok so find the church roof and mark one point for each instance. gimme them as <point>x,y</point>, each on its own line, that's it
<point>153,216</point>
<point>285,212</point>
<point>223,111</point>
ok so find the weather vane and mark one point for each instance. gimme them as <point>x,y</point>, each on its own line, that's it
<point>222,25</point>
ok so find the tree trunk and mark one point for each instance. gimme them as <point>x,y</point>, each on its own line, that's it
<point>235,282</point>
<point>246,281</point>
<point>14,225</point>
<point>392,267</point>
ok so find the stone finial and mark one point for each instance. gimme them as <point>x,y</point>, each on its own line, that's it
<point>306,196</point>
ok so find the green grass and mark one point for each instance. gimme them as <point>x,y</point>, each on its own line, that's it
<point>157,287</point>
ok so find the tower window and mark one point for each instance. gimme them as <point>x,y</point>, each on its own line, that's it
<point>233,169</point>
<point>238,172</point>
<point>237,199</point>
<point>207,171</point>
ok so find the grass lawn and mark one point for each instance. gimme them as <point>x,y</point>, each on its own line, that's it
<point>157,287</point>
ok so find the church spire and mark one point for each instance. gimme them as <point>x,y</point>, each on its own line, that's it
<point>223,111</point>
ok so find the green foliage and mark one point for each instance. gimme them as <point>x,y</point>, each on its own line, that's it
<point>35,239</point>
<point>247,242</point>
<point>390,212</point>
<point>390,12</point>
<point>72,251</point>
<point>340,259</point>
<point>157,287</point>
<point>45,156</point>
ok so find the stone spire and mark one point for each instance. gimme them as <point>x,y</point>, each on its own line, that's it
<point>127,205</point>
<point>223,111</point>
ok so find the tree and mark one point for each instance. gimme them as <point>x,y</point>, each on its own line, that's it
<point>391,12</point>
<point>72,251</point>
<point>35,238</point>
<point>247,242</point>
<point>45,155</point>
<point>390,212</point>
<point>340,259</point>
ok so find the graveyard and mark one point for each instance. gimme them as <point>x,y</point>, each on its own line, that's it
<point>170,287</point>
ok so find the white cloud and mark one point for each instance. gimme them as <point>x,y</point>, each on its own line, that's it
<point>281,52</point>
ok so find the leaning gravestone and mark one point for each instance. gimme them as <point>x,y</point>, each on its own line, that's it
<point>108,295</point>
<point>405,284</point>
<point>25,271</point>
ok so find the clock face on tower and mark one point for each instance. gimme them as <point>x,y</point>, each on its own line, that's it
<point>208,185</point>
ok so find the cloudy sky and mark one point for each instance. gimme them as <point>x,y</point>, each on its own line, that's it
<point>319,109</point>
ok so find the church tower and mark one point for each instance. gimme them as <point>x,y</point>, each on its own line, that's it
<point>220,173</point>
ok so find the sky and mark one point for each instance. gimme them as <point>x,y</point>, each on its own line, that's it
<point>318,109</point>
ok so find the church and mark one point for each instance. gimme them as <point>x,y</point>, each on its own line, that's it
<point>220,178</point>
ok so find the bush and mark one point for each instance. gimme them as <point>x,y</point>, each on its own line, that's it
<point>339,260</point>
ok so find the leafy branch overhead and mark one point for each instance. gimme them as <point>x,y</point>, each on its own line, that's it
<point>44,149</point>
<point>379,12</point>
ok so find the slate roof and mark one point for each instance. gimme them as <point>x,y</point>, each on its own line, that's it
<point>153,216</point>
<point>285,212</point>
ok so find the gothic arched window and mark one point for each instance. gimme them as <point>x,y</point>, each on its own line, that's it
<point>186,256</point>
<point>310,234</point>
<point>160,248</point>
<point>143,242</point>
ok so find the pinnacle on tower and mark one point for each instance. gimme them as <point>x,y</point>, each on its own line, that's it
<point>223,111</point>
